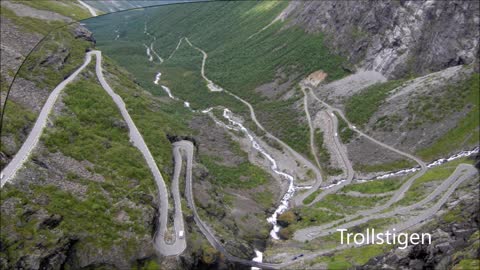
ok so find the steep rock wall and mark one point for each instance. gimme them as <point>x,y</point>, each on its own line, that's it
<point>396,38</point>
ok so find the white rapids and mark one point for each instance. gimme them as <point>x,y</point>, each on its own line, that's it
<point>169,92</point>
<point>238,126</point>
<point>157,78</point>
<point>150,57</point>
<point>429,165</point>
<point>235,125</point>
<point>291,187</point>
<point>258,258</point>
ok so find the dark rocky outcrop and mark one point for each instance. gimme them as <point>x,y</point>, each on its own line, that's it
<point>83,33</point>
<point>396,38</point>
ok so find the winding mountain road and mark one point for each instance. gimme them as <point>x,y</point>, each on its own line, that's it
<point>339,148</point>
<point>22,155</point>
<point>340,112</point>
<point>166,249</point>
<point>294,153</point>
<point>313,148</point>
<point>188,149</point>
<point>462,172</point>
<point>399,194</point>
<point>185,149</point>
<point>135,138</point>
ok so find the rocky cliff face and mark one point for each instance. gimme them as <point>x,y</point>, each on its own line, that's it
<point>396,38</point>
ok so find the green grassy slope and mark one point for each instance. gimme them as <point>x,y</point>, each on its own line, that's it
<point>45,66</point>
<point>29,24</point>
<point>59,55</point>
<point>88,132</point>
<point>154,118</point>
<point>235,62</point>
<point>360,107</point>
<point>71,9</point>
<point>466,132</point>
<point>56,57</point>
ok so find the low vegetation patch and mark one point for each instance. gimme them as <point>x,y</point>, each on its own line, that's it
<point>341,203</point>
<point>349,258</point>
<point>58,56</point>
<point>312,196</point>
<point>64,7</point>
<point>375,186</point>
<point>324,155</point>
<point>466,133</point>
<point>16,118</point>
<point>361,106</point>
<point>244,175</point>
<point>29,24</point>
<point>264,198</point>
<point>345,133</point>
<point>311,217</point>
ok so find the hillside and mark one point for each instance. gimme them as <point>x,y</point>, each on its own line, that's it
<point>238,134</point>
<point>264,66</point>
<point>265,63</point>
<point>24,25</point>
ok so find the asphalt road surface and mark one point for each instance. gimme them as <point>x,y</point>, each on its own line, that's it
<point>136,139</point>
<point>22,155</point>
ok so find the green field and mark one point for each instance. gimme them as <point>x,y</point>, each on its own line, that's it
<point>95,131</point>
